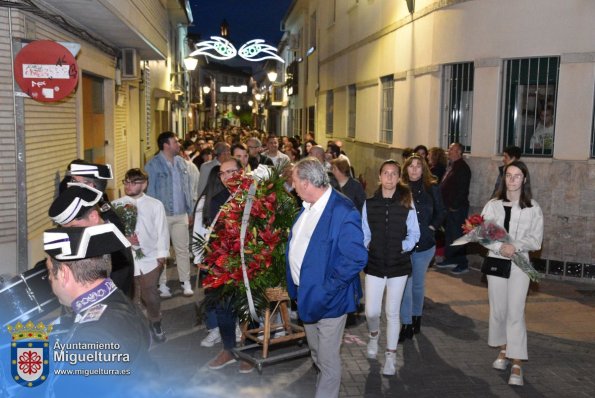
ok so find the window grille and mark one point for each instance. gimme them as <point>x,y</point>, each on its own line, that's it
<point>296,122</point>
<point>457,104</point>
<point>311,119</point>
<point>351,106</point>
<point>593,131</point>
<point>529,103</point>
<point>386,109</point>
<point>330,104</point>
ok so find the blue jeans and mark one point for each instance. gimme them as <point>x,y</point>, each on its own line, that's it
<point>454,221</point>
<point>413,297</point>
<point>211,319</point>
<point>226,319</point>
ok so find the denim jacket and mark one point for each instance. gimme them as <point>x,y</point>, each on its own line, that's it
<point>161,182</point>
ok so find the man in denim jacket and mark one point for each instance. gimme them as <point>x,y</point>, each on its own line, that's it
<point>169,181</point>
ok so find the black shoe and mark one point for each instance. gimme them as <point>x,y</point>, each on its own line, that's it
<point>405,333</point>
<point>158,334</point>
<point>416,324</point>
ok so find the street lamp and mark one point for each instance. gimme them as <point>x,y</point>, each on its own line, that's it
<point>272,75</point>
<point>190,63</point>
<point>206,89</point>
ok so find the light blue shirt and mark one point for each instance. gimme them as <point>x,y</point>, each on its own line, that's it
<point>413,233</point>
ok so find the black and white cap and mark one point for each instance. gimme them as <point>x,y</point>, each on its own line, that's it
<point>73,202</point>
<point>92,170</point>
<point>77,243</point>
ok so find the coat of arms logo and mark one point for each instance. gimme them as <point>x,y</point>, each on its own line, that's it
<point>29,353</point>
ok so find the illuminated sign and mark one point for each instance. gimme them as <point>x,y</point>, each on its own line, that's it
<point>221,49</point>
<point>234,89</point>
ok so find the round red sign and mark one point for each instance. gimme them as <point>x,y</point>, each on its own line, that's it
<point>46,70</point>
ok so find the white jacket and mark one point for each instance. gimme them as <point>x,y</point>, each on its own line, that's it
<point>525,228</point>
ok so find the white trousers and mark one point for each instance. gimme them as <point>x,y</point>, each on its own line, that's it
<point>395,287</point>
<point>507,312</point>
<point>180,239</point>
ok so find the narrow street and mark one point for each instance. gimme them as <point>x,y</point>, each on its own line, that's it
<point>449,358</point>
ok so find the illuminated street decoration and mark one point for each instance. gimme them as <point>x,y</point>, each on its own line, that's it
<point>222,49</point>
<point>255,47</point>
<point>234,89</point>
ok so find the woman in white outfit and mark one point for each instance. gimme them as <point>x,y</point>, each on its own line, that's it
<point>513,208</point>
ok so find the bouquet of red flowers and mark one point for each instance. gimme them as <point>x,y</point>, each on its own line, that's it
<point>128,213</point>
<point>271,213</point>
<point>477,229</point>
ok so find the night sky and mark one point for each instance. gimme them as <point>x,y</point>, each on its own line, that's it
<point>247,19</point>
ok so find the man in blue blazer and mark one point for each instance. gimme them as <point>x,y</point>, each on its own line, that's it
<point>324,257</point>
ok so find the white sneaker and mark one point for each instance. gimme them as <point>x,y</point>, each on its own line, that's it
<point>390,364</point>
<point>212,338</point>
<point>187,289</point>
<point>373,346</point>
<point>238,333</point>
<point>164,291</point>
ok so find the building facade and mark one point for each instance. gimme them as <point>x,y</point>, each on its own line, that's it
<point>487,73</point>
<point>128,91</point>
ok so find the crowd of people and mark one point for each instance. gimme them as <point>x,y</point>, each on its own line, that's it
<point>393,236</point>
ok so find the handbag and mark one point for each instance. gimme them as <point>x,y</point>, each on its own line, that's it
<point>496,267</point>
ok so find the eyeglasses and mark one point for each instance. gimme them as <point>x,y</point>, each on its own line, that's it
<point>514,177</point>
<point>128,182</point>
<point>253,147</point>
<point>227,172</point>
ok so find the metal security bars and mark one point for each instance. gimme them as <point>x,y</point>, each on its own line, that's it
<point>351,108</point>
<point>457,103</point>
<point>330,105</point>
<point>593,130</point>
<point>529,104</point>
<point>386,109</point>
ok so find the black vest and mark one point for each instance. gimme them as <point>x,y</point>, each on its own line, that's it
<point>387,219</point>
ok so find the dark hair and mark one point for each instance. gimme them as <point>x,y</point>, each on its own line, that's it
<point>407,152</point>
<point>402,191</point>
<point>164,139</point>
<point>238,146</point>
<point>421,147</point>
<point>342,165</point>
<point>526,196</point>
<point>198,160</point>
<point>136,175</point>
<point>86,270</point>
<point>334,150</point>
<point>439,155</point>
<point>213,188</point>
<point>426,175</point>
<point>513,151</point>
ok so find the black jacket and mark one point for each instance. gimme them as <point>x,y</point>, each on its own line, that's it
<point>387,220</point>
<point>430,212</point>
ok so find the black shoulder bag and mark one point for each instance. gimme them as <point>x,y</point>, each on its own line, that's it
<point>499,266</point>
<point>496,267</point>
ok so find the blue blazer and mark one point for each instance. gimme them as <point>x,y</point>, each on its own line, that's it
<point>329,278</point>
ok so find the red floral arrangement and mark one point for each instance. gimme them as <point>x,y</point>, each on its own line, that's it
<point>272,214</point>
<point>478,229</point>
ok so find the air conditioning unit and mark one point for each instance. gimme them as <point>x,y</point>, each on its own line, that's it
<point>130,63</point>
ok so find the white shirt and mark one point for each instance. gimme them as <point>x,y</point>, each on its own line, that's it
<point>280,159</point>
<point>152,231</point>
<point>194,178</point>
<point>302,232</point>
